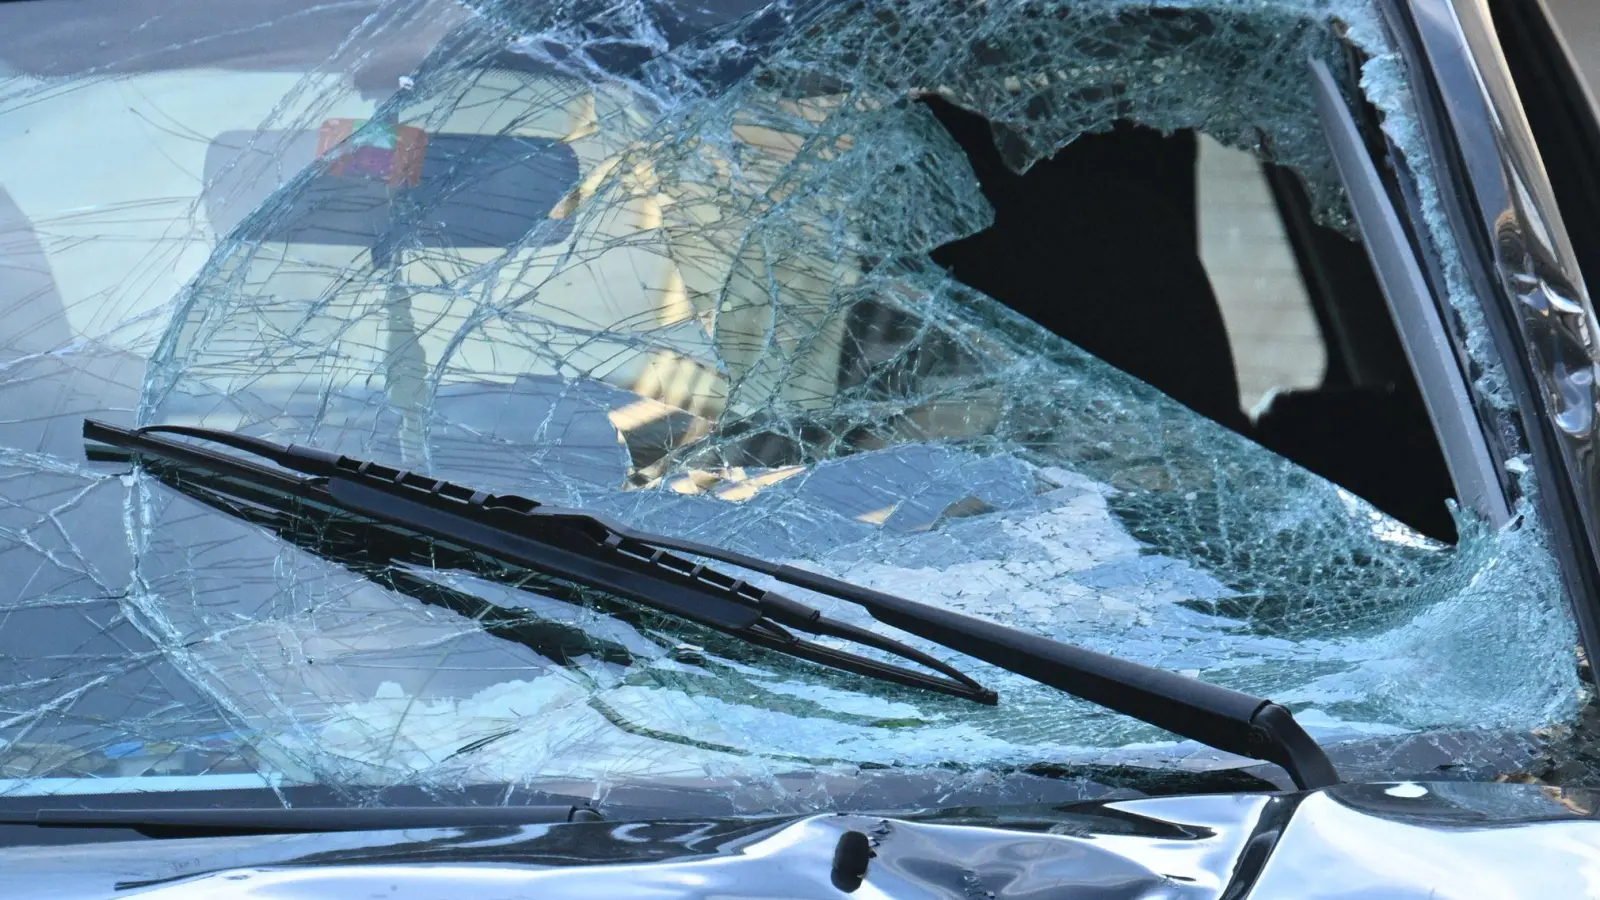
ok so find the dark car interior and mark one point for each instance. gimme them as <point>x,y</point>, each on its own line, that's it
<point>1113,215</point>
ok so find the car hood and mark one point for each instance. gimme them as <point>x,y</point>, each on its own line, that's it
<point>1395,840</point>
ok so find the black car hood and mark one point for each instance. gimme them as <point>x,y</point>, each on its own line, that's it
<point>1390,840</point>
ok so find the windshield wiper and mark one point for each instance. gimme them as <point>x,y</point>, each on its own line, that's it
<point>565,544</point>
<point>586,549</point>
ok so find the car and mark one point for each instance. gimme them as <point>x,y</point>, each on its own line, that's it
<point>793,448</point>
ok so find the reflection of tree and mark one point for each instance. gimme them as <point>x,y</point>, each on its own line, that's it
<point>404,367</point>
<point>581,843</point>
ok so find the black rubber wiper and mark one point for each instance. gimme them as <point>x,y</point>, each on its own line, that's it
<point>564,544</point>
<point>182,823</point>
<point>586,549</point>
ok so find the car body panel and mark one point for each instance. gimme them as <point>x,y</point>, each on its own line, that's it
<point>1401,840</point>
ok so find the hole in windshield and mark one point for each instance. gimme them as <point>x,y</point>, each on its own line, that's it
<point>1101,245</point>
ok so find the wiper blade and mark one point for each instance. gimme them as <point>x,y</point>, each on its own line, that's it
<point>564,544</point>
<point>391,558</point>
<point>181,823</point>
<point>584,548</point>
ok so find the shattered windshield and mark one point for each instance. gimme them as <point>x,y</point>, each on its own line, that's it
<point>697,268</point>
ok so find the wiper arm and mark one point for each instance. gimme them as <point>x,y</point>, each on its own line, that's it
<point>588,549</point>
<point>184,823</point>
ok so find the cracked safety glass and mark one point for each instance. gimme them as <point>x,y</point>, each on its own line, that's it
<point>908,293</point>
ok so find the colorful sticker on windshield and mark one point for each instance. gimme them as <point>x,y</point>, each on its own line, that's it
<point>379,151</point>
